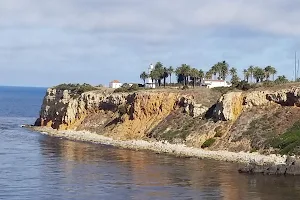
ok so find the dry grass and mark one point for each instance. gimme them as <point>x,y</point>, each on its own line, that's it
<point>276,87</point>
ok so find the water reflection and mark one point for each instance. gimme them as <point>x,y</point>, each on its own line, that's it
<point>124,174</point>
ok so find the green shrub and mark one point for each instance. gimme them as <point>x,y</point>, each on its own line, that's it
<point>289,142</point>
<point>208,143</point>
<point>75,88</point>
<point>243,85</point>
<point>223,90</point>
<point>122,109</point>
<point>268,83</point>
<point>127,88</point>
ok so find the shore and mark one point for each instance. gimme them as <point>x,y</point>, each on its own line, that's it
<point>165,147</point>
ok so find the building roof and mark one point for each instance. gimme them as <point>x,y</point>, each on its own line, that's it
<point>115,81</point>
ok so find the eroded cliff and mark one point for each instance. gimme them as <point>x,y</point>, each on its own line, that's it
<point>120,115</point>
<point>236,121</point>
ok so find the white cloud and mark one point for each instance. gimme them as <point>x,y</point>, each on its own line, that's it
<point>106,35</point>
<point>157,16</point>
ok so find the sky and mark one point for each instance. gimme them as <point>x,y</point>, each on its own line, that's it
<point>44,43</point>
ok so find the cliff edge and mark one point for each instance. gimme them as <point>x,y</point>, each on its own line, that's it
<point>203,118</point>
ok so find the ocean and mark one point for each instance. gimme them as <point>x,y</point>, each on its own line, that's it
<point>34,166</point>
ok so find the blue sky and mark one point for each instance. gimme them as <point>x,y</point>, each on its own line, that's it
<point>43,43</point>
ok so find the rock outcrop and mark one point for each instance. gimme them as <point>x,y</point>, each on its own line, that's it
<point>231,105</point>
<point>132,114</point>
<point>236,121</point>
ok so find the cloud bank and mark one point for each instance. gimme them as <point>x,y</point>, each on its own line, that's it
<point>43,43</point>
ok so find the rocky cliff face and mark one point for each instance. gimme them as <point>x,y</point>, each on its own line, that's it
<point>237,121</point>
<point>230,106</point>
<point>123,115</point>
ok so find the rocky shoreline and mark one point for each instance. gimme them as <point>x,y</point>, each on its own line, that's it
<point>252,162</point>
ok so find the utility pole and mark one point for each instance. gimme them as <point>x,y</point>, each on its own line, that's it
<point>298,70</point>
<point>295,65</point>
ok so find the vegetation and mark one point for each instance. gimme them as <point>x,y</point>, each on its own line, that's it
<point>76,88</point>
<point>289,142</point>
<point>127,88</point>
<point>253,76</point>
<point>144,76</point>
<point>122,110</point>
<point>208,143</point>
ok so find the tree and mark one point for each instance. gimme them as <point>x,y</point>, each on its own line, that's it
<point>159,70</point>
<point>165,75</point>
<point>268,72</point>
<point>220,70</point>
<point>144,76</point>
<point>209,74</point>
<point>154,75</point>
<point>215,70</point>
<point>183,72</point>
<point>170,72</point>
<point>201,75</point>
<point>281,80</point>
<point>273,72</point>
<point>246,75</point>
<point>251,70</point>
<point>234,77</point>
<point>258,74</point>
<point>224,67</point>
<point>233,71</point>
<point>194,73</point>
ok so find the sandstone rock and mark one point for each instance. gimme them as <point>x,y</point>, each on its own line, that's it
<point>229,106</point>
<point>62,110</point>
<point>198,110</point>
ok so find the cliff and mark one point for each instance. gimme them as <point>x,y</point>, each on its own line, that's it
<point>120,115</point>
<point>236,121</point>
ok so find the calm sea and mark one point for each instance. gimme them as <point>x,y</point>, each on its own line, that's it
<point>33,166</point>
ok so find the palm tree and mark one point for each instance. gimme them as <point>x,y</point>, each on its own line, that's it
<point>224,67</point>
<point>184,72</point>
<point>246,75</point>
<point>273,72</point>
<point>170,72</point>
<point>268,71</point>
<point>144,76</point>
<point>159,69</point>
<point>251,70</point>
<point>258,74</point>
<point>194,73</point>
<point>234,76</point>
<point>165,75</point>
<point>201,75</point>
<point>154,75</point>
<point>233,71</point>
<point>209,74</point>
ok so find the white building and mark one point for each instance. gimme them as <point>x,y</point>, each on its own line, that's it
<point>115,84</point>
<point>149,83</point>
<point>216,83</point>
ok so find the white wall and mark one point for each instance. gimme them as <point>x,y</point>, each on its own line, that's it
<point>213,84</point>
<point>115,85</point>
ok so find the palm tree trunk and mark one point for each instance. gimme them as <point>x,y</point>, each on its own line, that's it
<point>194,82</point>
<point>164,82</point>
<point>170,78</point>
